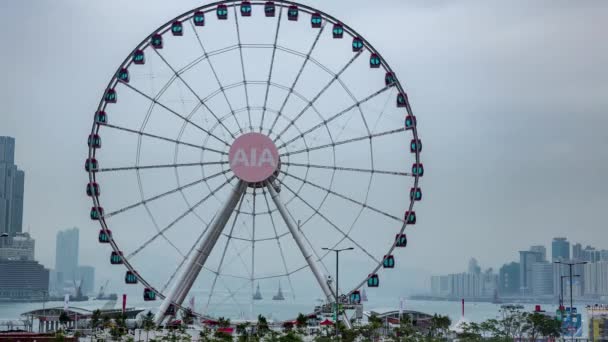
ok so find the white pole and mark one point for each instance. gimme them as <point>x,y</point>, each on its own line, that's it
<point>195,264</point>
<point>308,256</point>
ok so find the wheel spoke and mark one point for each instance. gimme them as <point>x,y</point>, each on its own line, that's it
<point>337,115</point>
<point>365,205</point>
<point>179,218</point>
<point>154,198</point>
<point>319,94</point>
<point>331,223</point>
<point>217,273</point>
<point>274,50</point>
<point>156,102</point>
<point>219,83</point>
<point>160,166</point>
<point>200,147</point>
<point>314,44</point>
<point>238,36</point>
<point>276,234</point>
<point>398,130</point>
<point>353,169</point>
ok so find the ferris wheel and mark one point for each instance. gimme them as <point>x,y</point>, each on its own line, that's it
<point>241,141</point>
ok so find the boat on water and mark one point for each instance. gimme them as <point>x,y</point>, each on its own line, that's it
<point>363,296</point>
<point>257,295</point>
<point>279,295</point>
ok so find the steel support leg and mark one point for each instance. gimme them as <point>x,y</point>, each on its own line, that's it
<point>189,274</point>
<point>308,256</point>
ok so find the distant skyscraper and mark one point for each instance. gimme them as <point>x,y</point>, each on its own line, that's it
<point>542,278</point>
<point>66,254</point>
<point>590,254</point>
<point>560,249</point>
<point>11,189</point>
<point>508,279</point>
<point>86,276</point>
<point>474,266</point>
<point>577,251</point>
<point>526,260</point>
<point>540,249</point>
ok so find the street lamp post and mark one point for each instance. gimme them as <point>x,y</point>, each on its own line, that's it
<point>570,265</point>
<point>337,277</point>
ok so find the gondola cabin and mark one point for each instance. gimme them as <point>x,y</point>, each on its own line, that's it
<point>418,169</point>
<point>292,13</point>
<point>116,258</point>
<point>415,145</point>
<point>222,12</point>
<point>91,165</point>
<point>410,122</point>
<point>355,297</point>
<point>149,294</point>
<point>123,75</point>
<point>110,96</point>
<point>270,9</point>
<point>338,31</point>
<point>316,20</point>
<point>92,189</point>
<point>246,9</point>
<point>156,41</point>
<point>130,278</point>
<point>104,236</point>
<point>401,240</point>
<point>374,61</point>
<point>94,141</point>
<point>415,194</point>
<point>389,79</point>
<point>138,57</point>
<point>373,280</point>
<point>410,217</point>
<point>101,117</point>
<point>388,261</point>
<point>96,213</point>
<point>177,29</point>
<point>402,100</point>
<point>199,18</point>
<point>357,44</point>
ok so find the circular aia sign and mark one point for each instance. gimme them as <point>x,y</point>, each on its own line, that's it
<point>253,157</point>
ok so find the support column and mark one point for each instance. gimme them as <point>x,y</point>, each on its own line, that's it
<point>195,264</point>
<point>308,256</point>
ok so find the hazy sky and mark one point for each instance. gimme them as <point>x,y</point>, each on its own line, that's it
<point>511,100</point>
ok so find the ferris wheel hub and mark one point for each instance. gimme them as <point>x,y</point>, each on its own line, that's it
<point>254,158</point>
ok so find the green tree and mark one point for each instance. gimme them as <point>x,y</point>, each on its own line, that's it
<point>223,322</point>
<point>439,326</point>
<point>187,316</point>
<point>262,326</point>
<point>95,319</point>
<point>64,318</point>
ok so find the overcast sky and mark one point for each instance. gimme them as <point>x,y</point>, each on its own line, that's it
<point>511,100</point>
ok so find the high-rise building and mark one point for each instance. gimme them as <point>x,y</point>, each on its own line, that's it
<point>577,251</point>
<point>540,249</point>
<point>542,278</point>
<point>474,266</point>
<point>86,276</point>
<point>560,249</point>
<point>18,247</point>
<point>22,280</point>
<point>596,278</point>
<point>526,260</point>
<point>590,254</point>
<point>11,189</point>
<point>508,279</point>
<point>66,254</point>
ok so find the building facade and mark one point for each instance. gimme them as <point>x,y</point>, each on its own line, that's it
<point>66,254</point>
<point>11,189</point>
<point>596,278</point>
<point>508,279</point>
<point>23,280</point>
<point>526,260</point>
<point>560,249</point>
<point>86,276</point>
<point>542,278</point>
<point>18,247</point>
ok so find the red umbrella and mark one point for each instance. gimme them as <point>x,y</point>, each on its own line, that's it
<point>326,322</point>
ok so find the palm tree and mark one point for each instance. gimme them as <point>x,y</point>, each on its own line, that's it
<point>262,327</point>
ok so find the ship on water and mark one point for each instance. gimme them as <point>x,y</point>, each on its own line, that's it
<point>258,294</point>
<point>279,295</point>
